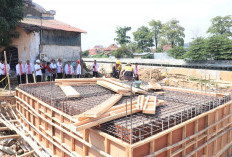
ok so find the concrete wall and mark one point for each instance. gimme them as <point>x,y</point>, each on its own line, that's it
<point>65,52</point>
<point>27,44</point>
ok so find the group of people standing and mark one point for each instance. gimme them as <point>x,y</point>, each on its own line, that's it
<point>47,71</point>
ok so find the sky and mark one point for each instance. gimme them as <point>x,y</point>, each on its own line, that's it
<point>100,18</point>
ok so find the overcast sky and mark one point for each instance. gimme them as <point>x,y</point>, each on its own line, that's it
<point>101,17</point>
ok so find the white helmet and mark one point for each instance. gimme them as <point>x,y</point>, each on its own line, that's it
<point>37,61</point>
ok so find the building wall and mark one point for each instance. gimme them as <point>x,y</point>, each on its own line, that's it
<point>64,52</point>
<point>27,44</point>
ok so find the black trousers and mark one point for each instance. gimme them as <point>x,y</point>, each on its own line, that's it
<point>59,75</point>
<point>95,74</point>
<point>38,78</point>
<point>21,79</point>
<point>30,78</point>
<point>48,78</point>
<point>68,76</point>
<point>4,81</point>
<point>78,76</point>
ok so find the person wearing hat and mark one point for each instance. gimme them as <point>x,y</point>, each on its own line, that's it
<point>59,69</point>
<point>136,72</point>
<point>128,72</point>
<point>95,69</point>
<point>53,66</point>
<point>117,69</point>
<point>29,68</point>
<point>20,72</point>
<point>78,69</point>
<point>68,70</point>
<point>38,71</point>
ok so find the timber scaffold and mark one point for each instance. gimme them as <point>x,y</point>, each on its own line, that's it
<point>207,133</point>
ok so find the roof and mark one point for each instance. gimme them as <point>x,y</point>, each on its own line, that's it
<point>112,47</point>
<point>50,24</point>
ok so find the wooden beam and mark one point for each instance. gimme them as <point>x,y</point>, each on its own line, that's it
<point>113,87</point>
<point>69,91</point>
<point>9,136</point>
<point>103,107</point>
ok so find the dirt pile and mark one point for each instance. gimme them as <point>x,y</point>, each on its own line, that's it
<point>149,74</point>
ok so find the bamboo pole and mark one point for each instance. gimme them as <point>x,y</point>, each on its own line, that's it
<point>8,78</point>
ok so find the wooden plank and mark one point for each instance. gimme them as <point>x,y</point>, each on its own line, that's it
<point>113,87</point>
<point>103,107</point>
<point>155,86</point>
<point>69,91</point>
<point>9,136</point>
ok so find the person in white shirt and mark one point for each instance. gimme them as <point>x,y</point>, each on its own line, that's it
<point>38,71</point>
<point>68,70</point>
<point>78,69</point>
<point>136,72</point>
<point>5,72</point>
<point>1,73</point>
<point>20,72</point>
<point>53,67</point>
<point>59,69</point>
<point>95,69</point>
<point>29,68</point>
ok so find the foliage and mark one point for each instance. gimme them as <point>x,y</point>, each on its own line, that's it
<point>156,27</point>
<point>123,52</point>
<point>85,53</point>
<point>11,13</point>
<point>122,38</point>
<point>219,47</point>
<point>197,50</point>
<point>100,55</point>
<point>177,52</point>
<point>173,33</point>
<point>159,49</point>
<point>221,26</point>
<point>143,37</point>
<point>148,56</point>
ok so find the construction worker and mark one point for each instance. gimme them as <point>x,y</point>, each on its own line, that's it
<point>117,69</point>
<point>29,68</point>
<point>165,79</point>
<point>53,66</point>
<point>20,72</point>
<point>59,69</point>
<point>68,70</point>
<point>38,71</point>
<point>78,69</point>
<point>95,69</point>
<point>128,72</point>
<point>136,72</point>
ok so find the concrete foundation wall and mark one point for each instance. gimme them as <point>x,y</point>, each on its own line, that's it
<point>27,44</point>
<point>64,52</point>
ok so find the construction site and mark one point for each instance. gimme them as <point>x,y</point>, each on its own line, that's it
<point>109,117</point>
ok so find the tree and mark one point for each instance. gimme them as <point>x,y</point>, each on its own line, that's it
<point>221,26</point>
<point>156,27</point>
<point>197,50</point>
<point>122,38</point>
<point>219,47</point>
<point>143,37</point>
<point>85,53</point>
<point>177,52</point>
<point>173,33</point>
<point>11,13</point>
<point>123,52</point>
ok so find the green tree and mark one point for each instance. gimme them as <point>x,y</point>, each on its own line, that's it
<point>173,33</point>
<point>85,53</point>
<point>123,52</point>
<point>177,52</point>
<point>197,50</point>
<point>143,37</point>
<point>11,12</point>
<point>156,27</point>
<point>221,26</point>
<point>219,47</point>
<point>122,38</point>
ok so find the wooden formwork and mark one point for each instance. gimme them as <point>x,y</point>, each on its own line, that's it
<point>208,134</point>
